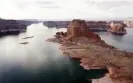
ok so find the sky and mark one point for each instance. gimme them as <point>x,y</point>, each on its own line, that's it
<point>65,9</point>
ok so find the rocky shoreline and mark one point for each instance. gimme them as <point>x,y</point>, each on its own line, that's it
<point>100,55</point>
<point>93,53</point>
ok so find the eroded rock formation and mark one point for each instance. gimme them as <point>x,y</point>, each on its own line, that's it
<point>117,27</point>
<point>96,54</point>
<point>79,28</point>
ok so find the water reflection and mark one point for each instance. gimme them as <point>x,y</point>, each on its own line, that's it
<point>122,42</point>
<point>39,61</point>
<point>70,73</point>
<point>117,38</point>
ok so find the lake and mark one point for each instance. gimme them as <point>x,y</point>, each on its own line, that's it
<point>39,61</point>
<point>122,42</point>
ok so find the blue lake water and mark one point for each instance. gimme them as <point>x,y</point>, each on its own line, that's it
<point>122,42</point>
<point>42,62</point>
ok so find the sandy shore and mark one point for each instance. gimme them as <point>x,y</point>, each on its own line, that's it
<point>100,55</point>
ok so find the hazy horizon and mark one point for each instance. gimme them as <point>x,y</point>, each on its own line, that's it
<point>66,9</point>
<point>96,19</point>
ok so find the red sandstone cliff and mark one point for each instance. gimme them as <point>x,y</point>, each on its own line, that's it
<point>98,55</point>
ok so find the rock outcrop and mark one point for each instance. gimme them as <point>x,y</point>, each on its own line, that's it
<point>97,54</point>
<point>79,28</point>
<point>117,28</point>
<point>129,24</point>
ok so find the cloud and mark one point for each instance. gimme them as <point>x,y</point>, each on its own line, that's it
<point>65,9</point>
<point>106,5</point>
<point>48,4</point>
<point>123,11</point>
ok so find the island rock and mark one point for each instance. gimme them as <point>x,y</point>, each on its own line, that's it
<point>96,55</point>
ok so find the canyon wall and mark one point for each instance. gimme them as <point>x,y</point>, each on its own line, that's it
<point>13,25</point>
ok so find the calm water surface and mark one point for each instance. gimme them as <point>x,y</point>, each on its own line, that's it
<point>122,42</point>
<point>42,62</point>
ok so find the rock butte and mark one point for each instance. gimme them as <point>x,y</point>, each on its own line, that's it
<point>95,53</point>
